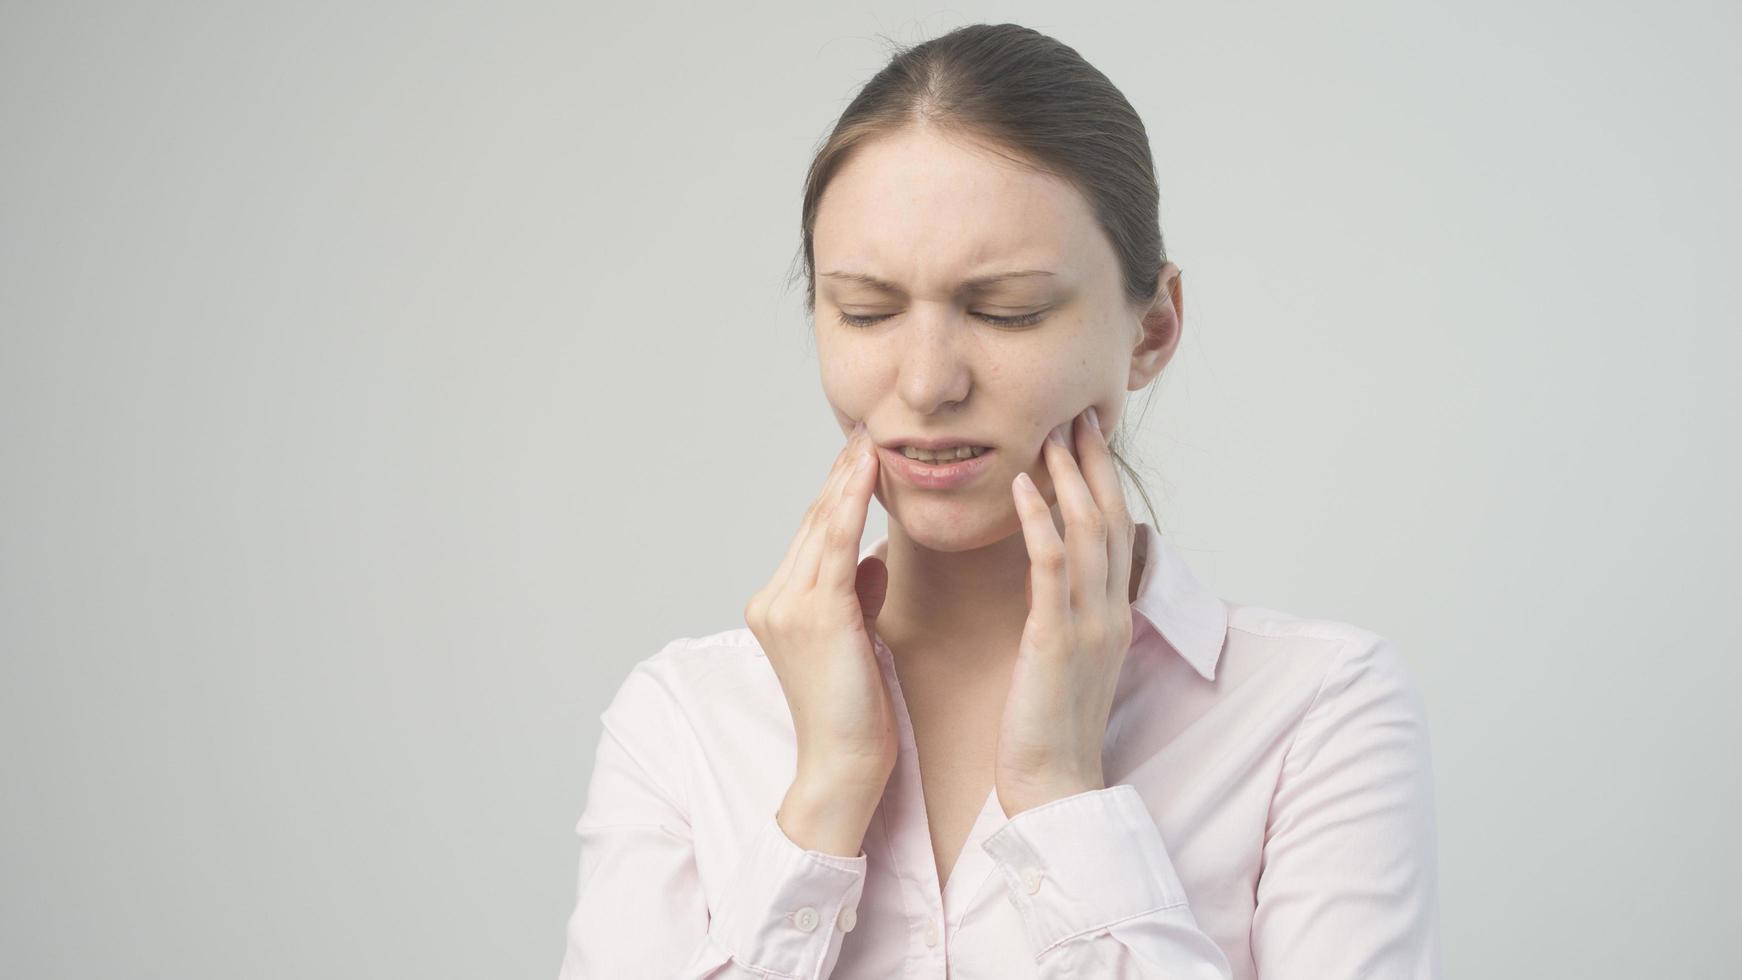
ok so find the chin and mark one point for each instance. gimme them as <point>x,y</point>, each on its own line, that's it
<point>940,522</point>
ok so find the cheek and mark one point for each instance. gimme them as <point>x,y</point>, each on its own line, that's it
<point>841,382</point>
<point>1053,393</point>
<point>1090,370</point>
<point>851,383</point>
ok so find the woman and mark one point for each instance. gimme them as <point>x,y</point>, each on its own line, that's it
<point>1015,737</point>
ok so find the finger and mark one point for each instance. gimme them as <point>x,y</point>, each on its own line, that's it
<point>778,580</point>
<point>1085,531</point>
<point>838,569</point>
<point>1102,475</point>
<point>809,557</point>
<point>1049,593</point>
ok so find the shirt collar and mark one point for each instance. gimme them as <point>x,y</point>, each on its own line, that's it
<point>1192,619</point>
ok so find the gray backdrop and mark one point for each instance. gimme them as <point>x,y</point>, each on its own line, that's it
<point>378,382</point>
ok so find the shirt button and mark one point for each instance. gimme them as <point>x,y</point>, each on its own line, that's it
<point>847,919</point>
<point>805,918</point>
<point>931,933</point>
<point>1031,879</point>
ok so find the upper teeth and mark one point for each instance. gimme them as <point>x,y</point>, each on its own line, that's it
<point>933,455</point>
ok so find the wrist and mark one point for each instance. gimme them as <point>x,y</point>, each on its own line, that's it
<point>841,775</point>
<point>1019,796</point>
<point>828,817</point>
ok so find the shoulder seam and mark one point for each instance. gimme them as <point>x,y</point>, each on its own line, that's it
<point>653,780</point>
<point>673,710</point>
<point>1342,657</point>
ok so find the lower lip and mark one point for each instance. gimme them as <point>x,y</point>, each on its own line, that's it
<point>930,476</point>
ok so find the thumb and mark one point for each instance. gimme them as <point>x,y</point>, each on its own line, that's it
<point>871,582</point>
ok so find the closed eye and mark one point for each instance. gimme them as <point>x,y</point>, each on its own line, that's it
<point>1024,320</point>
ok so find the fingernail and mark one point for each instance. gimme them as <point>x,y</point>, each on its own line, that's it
<point>1094,420</point>
<point>1057,434</point>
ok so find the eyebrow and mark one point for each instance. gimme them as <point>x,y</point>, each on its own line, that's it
<point>968,285</point>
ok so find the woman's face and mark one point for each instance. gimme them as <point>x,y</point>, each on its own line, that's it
<point>923,357</point>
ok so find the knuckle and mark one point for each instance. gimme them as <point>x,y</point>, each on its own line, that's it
<point>777,617</point>
<point>1048,637</point>
<point>825,509</point>
<point>1051,559</point>
<point>834,534</point>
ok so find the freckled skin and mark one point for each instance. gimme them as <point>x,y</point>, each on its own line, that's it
<point>925,211</point>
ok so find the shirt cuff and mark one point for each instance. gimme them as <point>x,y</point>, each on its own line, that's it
<point>1084,862</point>
<point>791,906</point>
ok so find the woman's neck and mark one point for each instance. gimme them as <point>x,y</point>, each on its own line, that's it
<point>956,604</point>
<point>968,605</point>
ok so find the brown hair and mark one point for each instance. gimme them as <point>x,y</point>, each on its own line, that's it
<point>1034,100</point>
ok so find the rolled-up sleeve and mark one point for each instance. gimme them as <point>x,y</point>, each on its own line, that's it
<point>1348,886</point>
<point>1097,892</point>
<point>640,909</point>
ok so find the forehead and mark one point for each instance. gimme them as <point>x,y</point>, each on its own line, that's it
<point>927,211</point>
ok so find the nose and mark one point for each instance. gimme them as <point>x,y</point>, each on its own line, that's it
<point>936,367</point>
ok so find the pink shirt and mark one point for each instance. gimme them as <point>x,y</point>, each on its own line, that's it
<point>1269,813</point>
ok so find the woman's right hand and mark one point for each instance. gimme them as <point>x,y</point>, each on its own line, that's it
<point>815,620</point>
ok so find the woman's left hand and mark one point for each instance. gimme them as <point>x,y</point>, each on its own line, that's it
<point>1079,624</point>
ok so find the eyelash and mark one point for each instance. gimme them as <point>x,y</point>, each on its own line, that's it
<point>848,319</point>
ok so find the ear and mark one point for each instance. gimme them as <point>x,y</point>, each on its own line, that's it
<point>1161,326</point>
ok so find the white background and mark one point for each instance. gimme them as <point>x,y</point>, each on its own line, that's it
<point>378,382</point>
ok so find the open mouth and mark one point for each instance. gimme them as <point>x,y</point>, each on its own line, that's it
<point>943,457</point>
<point>942,471</point>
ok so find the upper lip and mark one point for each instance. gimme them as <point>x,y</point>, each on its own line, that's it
<point>932,442</point>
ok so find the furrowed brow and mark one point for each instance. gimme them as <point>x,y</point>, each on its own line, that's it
<point>975,284</point>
